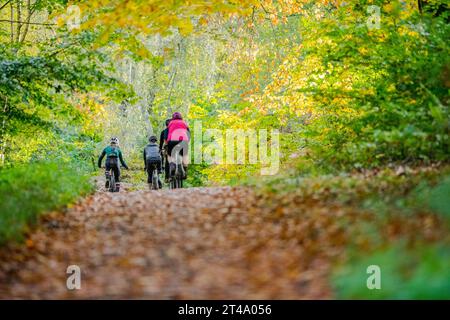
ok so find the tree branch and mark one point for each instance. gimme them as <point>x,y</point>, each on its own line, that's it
<point>7,2</point>
<point>30,23</point>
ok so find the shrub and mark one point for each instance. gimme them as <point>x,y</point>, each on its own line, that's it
<point>422,273</point>
<point>26,191</point>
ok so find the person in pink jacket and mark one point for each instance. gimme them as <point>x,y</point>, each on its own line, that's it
<point>178,141</point>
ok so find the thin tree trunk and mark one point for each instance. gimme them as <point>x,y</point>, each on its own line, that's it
<point>172,85</point>
<point>19,19</point>
<point>3,134</point>
<point>27,23</point>
<point>12,21</point>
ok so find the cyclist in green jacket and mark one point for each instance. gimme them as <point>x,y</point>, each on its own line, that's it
<point>113,156</point>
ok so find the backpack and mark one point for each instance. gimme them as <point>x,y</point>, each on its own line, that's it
<point>152,153</point>
<point>112,152</point>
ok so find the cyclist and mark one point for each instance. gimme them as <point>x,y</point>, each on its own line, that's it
<point>163,149</point>
<point>113,155</point>
<point>178,142</point>
<point>152,158</point>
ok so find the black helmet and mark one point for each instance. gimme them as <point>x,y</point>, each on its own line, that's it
<point>167,122</point>
<point>153,139</point>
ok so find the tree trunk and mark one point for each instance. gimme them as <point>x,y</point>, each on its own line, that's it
<point>27,25</point>
<point>12,21</point>
<point>3,134</point>
<point>19,20</point>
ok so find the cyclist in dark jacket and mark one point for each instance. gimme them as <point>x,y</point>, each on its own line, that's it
<point>163,149</point>
<point>152,159</point>
<point>163,135</point>
<point>113,156</point>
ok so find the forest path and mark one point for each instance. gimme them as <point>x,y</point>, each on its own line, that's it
<point>197,243</point>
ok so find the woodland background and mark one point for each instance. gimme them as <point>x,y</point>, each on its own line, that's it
<point>362,110</point>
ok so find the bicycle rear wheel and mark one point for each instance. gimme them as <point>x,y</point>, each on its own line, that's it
<point>112,182</point>
<point>155,184</point>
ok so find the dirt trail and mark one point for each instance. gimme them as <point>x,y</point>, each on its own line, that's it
<point>213,243</point>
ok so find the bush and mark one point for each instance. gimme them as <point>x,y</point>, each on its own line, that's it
<point>29,190</point>
<point>429,195</point>
<point>405,274</point>
<point>196,175</point>
<point>439,197</point>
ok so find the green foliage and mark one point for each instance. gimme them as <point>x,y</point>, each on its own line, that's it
<point>435,198</point>
<point>345,97</point>
<point>196,176</point>
<point>397,100</point>
<point>439,198</point>
<point>41,92</point>
<point>414,261</point>
<point>27,191</point>
<point>421,273</point>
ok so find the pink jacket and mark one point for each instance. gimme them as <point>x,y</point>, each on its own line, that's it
<point>178,131</point>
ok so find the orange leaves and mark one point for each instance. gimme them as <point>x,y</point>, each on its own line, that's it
<point>195,243</point>
<point>210,243</point>
<point>157,16</point>
<point>29,243</point>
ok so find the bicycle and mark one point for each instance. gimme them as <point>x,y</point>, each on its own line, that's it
<point>176,181</point>
<point>165,164</point>
<point>155,181</point>
<point>111,181</point>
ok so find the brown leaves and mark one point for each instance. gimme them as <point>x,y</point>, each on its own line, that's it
<point>192,243</point>
<point>212,243</point>
<point>29,243</point>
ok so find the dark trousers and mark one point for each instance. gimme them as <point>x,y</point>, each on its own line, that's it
<point>166,167</point>
<point>151,167</point>
<point>113,163</point>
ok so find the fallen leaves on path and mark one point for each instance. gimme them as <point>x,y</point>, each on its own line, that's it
<point>213,243</point>
<point>206,243</point>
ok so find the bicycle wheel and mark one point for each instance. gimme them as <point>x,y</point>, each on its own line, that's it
<point>174,178</point>
<point>180,182</point>
<point>177,181</point>
<point>155,185</point>
<point>112,182</point>
<point>172,182</point>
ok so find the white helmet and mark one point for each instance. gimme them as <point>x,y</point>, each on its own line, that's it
<point>114,140</point>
